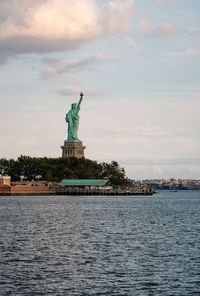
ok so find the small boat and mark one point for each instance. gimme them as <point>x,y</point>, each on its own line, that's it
<point>174,190</point>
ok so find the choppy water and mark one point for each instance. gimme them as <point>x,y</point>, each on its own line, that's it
<point>101,245</point>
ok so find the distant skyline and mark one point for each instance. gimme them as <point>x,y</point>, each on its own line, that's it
<point>138,64</point>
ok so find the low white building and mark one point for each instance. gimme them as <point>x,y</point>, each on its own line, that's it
<point>5,180</point>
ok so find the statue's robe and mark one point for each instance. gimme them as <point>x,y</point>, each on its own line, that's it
<point>72,118</point>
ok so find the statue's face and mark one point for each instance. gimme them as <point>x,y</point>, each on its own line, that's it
<point>73,106</point>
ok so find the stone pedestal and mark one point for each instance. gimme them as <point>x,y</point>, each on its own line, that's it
<point>73,149</point>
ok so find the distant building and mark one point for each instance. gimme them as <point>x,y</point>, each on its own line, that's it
<point>5,180</point>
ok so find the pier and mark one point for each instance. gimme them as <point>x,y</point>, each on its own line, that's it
<point>102,192</point>
<point>57,190</point>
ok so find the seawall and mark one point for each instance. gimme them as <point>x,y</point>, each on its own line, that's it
<point>56,190</point>
<point>27,190</point>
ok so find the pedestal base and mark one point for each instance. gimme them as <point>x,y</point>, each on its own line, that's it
<point>73,149</point>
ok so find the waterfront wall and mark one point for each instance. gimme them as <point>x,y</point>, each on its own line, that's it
<point>56,190</point>
<point>81,191</point>
<point>5,190</point>
<point>27,190</point>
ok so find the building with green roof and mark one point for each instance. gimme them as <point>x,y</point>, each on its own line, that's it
<point>84,183</point>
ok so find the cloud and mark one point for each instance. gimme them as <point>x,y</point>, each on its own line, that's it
<point>70,90</point>
<point>153,168</point>
<point>160,1</point>
<point>192,51</point>
<point>20,141</point>
<point>143,131</point>
<point>185,53</point>
<point>71,71</point>
<point>166,29</point>
<point>131,42</point>
<point>163,161</point>
<point>73,90</point>
<point>59,67</point>
<point>4,58</point>
<point>48,25</point>
<point>144,26</point>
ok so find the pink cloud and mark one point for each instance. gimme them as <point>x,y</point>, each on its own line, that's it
<point>48,25</point>
<point>131,42</point>
<point>160,1</point>
<point>166,29</point>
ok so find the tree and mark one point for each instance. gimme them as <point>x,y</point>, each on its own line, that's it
<point>56,169</point>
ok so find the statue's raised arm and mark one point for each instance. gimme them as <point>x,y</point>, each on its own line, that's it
<point>81,98</point>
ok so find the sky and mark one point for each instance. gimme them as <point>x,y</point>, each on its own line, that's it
<point>138,64</point>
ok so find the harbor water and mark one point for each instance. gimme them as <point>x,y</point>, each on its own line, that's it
<point>101,245</point>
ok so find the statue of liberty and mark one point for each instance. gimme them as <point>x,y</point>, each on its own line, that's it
<point>72,118</point>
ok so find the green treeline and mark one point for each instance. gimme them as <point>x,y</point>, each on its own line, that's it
<point>56,169</point>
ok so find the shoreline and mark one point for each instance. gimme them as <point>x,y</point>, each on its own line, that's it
<point>56,190</point>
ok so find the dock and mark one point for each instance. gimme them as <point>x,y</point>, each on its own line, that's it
<point>57,190</point>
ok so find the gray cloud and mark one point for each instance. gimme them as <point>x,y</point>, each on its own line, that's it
<point>162,161</point>
<point>4,57</point>
<point>59,67</point>
<point>162,168</point>
<point>18,45</point>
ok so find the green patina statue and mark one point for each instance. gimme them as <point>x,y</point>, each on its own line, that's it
<point>72,118</point>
